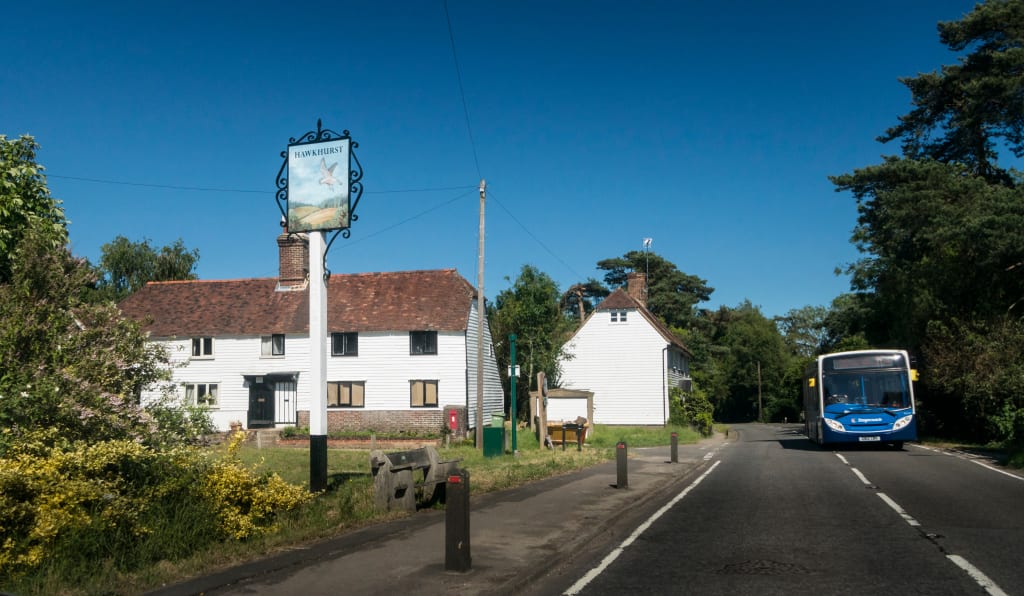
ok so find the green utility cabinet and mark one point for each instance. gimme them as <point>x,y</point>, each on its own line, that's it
<point>494,441</point>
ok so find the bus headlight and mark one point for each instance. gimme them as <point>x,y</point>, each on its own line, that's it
<point>835,425</point>
<point>902,422</point>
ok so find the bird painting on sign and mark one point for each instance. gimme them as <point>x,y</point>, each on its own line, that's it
<point>327,173</point>
<point>318,193</point>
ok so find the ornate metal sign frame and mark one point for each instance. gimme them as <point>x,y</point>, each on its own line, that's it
<point>355,176</point>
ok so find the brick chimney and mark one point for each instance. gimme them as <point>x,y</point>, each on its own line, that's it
<point>636,287</point>
<point>293,257</point>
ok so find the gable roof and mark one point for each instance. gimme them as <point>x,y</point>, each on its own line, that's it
<point>437,300</point>
<point>620,299</point>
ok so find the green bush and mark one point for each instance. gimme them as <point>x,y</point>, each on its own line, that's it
<point>64,507</point>
<point>693,409</point>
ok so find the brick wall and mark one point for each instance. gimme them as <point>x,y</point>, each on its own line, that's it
<point>392,421</point>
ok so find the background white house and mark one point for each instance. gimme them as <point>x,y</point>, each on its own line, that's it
<point>402,351</point>
<point>627,357</point>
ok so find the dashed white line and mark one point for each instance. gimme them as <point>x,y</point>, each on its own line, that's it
<point>976,574</point>
<point>895,506</point>
<point>861,476</point>
<point>596,571</point>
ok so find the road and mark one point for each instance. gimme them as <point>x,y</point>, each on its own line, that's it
<point>775,514</point>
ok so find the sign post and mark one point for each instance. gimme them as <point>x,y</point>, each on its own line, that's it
<point>318,188</point>
<point>512,413</point>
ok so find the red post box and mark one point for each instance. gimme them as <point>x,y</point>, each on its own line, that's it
<point>453,420</point>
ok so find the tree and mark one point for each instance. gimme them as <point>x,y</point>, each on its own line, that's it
<point>942,227</point>
<point>581,298</point>
<point>25,201</point>
<point>979,363</point>
<point>529,309</point>
<point>940,242</point>
<point>745,341</point>
<point>844,324</point>
<point>961,111</point>
<point>65,365</point>
<point>803,330</point>
<point>126,266</point>
<point>672,294</point>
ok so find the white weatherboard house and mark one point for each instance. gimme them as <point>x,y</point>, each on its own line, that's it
<point>627,357</point>
<point>401,353</point>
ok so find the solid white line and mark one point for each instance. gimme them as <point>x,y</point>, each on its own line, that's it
<point>976,574</point>
<point>906,517</point>
<point>970,459</point>
<point>596,571</point>
<point>994,469</point>
<point>861,476</point>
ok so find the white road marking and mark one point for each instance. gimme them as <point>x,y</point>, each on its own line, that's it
<point>861,476</point>
<point>995,469</point>
<point>970,459</point>
<point>842,459</point>
<point>596,571</point>
<point>976,574</point>
<point>895,506</point>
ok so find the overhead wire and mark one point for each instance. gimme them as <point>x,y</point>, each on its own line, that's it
<point>472,142</point>
<point>535,238</point>
<point>242,190</point>
<point>462,91</point>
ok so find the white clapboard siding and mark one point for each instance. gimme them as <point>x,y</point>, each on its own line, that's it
<point>383,363</point>
<point>494,393</point>
<point>233,357</point>
<point>386,366</point>
<point>623,363</point>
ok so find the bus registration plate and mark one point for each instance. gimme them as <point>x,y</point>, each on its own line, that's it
<point>869,439</point>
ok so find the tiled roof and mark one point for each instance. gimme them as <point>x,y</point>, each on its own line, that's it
<point>438,300</point>
<point>619,299</point>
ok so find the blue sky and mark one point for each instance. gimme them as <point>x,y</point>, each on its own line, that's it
<point>710,127</point>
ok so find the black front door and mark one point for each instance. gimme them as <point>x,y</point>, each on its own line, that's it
<point>261,406</point>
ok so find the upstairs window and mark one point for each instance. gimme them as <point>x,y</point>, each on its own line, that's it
<point>202,347</point>
<point>201,394</point>
<point>272,345</point>
<point>422,342</point>
<point>345,344</point>
<point>618,316</point>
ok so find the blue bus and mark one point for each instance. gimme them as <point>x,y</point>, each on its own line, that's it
<point>865,396</point>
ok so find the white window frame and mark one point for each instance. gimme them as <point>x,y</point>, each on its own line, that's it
<point>199,345</point>
<point>202,394</point>
<point>272,346</point>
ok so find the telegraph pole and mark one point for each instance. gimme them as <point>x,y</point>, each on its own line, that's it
<point>481,316</point>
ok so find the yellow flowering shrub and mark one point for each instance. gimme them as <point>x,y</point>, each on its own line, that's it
<point>127,502</point>
<point>247,501</point>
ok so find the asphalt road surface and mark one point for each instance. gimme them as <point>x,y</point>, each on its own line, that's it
<point>773,513</point>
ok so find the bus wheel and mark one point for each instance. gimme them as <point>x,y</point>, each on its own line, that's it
<point>897,445</point>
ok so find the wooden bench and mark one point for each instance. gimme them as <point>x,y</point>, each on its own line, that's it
<point>404,478</point>
<point>568,433</point>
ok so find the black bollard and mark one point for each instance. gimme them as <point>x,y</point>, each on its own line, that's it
<point>620,461</point>
<point>675,448</point>
<point>456,523</point>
